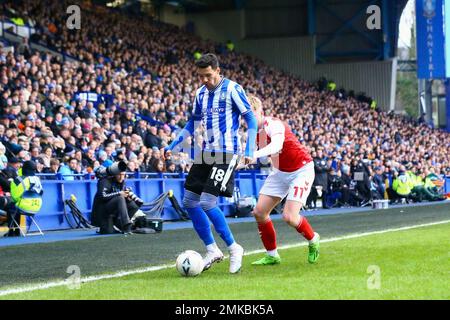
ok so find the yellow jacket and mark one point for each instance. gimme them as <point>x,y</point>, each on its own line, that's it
<point>26,193</point>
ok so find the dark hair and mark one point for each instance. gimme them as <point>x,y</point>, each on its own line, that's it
<point>29,168</point>
<point>208,60</point>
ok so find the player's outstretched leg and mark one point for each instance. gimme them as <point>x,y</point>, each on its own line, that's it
<point>300,223</point>
<point>266,229</point>
<point>191,202</point>
<point>208,203</point>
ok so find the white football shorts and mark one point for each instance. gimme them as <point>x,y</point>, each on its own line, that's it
<point>295,185</point>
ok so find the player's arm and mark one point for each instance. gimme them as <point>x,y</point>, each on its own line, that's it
<point>188,129</point>
<point>241,102</point>
<point>275,130</point>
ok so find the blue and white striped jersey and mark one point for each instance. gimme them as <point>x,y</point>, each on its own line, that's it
<point>220,112</point>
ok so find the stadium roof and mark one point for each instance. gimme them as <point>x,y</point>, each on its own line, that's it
<point>339,25</point>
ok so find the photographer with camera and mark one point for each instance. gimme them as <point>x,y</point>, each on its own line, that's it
<point>114,204</point>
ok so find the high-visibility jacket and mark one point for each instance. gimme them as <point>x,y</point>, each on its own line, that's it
<point>373,104</point>
<point>415,181</point>
<point>26,193</point>
<point>402,185</point>
<point>18,21</point>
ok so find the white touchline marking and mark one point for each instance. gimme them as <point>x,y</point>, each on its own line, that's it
<point>119,274</point>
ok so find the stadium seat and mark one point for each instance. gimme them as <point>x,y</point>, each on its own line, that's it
<point>30,216</point>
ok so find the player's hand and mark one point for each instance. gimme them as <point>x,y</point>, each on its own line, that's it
<point>244,163</point>
<point>249,160</point>
<point>124,193</point>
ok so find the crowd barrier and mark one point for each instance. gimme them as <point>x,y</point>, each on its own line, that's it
<point>22,31</point>
<point>146,186</point>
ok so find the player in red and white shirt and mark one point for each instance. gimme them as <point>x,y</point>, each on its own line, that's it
<point>292,177</point>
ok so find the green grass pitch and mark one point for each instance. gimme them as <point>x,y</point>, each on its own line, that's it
<point>408,264</point>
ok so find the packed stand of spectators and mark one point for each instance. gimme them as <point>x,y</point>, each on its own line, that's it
<point>145,72</point>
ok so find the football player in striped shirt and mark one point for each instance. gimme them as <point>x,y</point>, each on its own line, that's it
<point>218,107</point>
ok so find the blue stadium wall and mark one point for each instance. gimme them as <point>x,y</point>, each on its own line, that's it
<point>51,216</point>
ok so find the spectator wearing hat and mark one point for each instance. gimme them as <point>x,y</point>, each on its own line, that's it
<point>12,169</point>
<point>69,151</point>
<point>12,146</point>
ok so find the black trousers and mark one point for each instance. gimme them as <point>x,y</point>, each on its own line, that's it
<point>364,189</point>
<point>312,198</point>
<point>121,211</point>
<point>351,197</point>
<point>12,215</point>
<point>311,201</point>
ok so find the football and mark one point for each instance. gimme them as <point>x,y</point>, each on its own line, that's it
<point>189,263</point>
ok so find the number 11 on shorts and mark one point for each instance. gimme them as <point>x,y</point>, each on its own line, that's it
<point>296,188</point>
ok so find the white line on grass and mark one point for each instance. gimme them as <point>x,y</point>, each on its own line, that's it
<point>119,274</point>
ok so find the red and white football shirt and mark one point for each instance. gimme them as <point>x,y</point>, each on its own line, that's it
<point>293,155</point>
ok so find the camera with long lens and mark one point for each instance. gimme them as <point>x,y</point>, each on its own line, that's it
<point>113,170</point>
<point>133,197</point>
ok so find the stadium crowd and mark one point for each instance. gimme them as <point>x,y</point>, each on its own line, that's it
<point>142,74</point>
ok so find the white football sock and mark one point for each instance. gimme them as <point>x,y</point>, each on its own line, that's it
<point>233,246</point>
<point>315,238</point>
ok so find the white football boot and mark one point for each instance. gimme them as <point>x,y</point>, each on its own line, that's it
<point>211,257</point>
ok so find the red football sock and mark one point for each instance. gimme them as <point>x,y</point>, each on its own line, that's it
<point>305,228</point>
<point>267,234</point>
